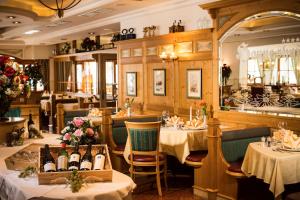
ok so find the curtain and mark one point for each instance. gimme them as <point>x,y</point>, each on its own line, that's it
<point>44,63</point>
<point>296,67</point>
<point>64,70</point>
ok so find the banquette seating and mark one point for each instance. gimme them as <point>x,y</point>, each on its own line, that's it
<point>234,144</point>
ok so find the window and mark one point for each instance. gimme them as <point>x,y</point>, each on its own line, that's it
<point>282,70</point>
<point>253,70</point>
<point>86,77</point>
<point>286,73</point>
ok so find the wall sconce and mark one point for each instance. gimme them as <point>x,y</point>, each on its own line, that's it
<point>168,57</point>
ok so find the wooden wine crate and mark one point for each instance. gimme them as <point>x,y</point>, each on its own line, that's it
<point>49,178</point>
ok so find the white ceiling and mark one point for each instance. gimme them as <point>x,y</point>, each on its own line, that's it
<point>100,16</point>
<point>264,27</point>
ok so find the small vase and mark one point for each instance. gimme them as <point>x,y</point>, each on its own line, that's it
<point>129,112</point>
<point>204,117</point>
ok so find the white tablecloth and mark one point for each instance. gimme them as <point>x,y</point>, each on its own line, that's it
<point>18,189</point>
<point>275,168</point>
<point>178,143</point>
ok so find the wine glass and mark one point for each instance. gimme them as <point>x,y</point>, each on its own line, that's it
<point>165,116</point>
<point>282,125</point>
<point>198,114</point>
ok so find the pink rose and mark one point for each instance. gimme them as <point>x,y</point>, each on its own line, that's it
<point>67,136</point>
<point>90,132</point>
<point>78,122</point>
<point>78,133</point>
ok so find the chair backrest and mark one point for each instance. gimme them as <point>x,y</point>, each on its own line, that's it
<point>143,136</point>
<point>235,142</point>
<point>119,131</point>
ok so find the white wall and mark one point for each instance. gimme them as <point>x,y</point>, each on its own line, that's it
<point>163,16</point>
<point>38,52</point>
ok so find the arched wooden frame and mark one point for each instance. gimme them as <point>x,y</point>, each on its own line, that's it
<point>226,14</point>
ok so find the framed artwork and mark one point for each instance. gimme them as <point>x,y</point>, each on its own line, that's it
<point>169,48</point>
<point>125,53</point>
<point>131,84</point>
<point>204,46</point>
<point>151,51</point>
<point>185,47</point>
<point>159,82</point>
<point>194,83</point>
<point>137,52</point>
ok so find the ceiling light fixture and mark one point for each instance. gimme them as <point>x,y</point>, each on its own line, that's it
<point>11,17</point>
<point>16,22</point>
<point>31,32</point>
<point>91,33</point>
<point>60,8</point>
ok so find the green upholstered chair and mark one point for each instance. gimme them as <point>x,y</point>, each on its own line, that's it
<point>144,150</point>
<point>13,112</point>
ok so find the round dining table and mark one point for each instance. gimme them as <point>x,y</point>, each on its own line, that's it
<point>178,142</point>
<point>13,187</point>
<point>273,165</point>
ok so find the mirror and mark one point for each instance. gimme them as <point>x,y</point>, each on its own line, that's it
<point>260,65</point>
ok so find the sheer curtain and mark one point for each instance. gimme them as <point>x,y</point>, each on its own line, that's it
<point>296,67</point>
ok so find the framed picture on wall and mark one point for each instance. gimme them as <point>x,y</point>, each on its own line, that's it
<point>159,82</point>
<point>194,83</point>
<point>131,84</point>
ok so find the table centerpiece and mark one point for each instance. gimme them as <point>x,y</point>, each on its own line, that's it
<point>13,83</point>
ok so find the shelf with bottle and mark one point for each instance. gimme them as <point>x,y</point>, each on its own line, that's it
<point>57,163</point>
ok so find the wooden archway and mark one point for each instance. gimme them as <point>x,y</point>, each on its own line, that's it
<point>226,14</point>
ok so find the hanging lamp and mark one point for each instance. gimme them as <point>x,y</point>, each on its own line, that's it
<point>61,6</point>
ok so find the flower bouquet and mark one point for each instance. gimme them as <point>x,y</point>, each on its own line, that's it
<point>80,131</point>
<point>12,83</point>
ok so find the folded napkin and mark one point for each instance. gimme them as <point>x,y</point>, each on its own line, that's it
<point>195,123</point>
<point>278,135</point>
<point>95,112</point>
<point>175,120</point>
<point>291,140</point>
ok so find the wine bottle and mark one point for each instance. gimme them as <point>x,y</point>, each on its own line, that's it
<point>99,159</point>
<point>74,161</point>
<point>86,161</point>
<point>62,159</point>
<point>49,163</point>
<point>30,122</point>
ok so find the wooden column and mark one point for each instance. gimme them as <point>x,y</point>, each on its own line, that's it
<point>206,177</point>
<point>106,125</point>
<point>59,118</point>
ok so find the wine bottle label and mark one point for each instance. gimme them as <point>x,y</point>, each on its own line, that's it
<point>49,167</point>
<point>74,158</point>
<point>62,162</point>
<point>73,167</point>
<point>86,165</point>
<point>99,162</point>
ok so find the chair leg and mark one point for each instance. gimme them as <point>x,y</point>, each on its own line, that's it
<point>131,171</point>
<point>158,181</point>
<point>165,175</point>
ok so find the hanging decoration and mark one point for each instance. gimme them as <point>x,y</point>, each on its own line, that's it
<point>61,6</point>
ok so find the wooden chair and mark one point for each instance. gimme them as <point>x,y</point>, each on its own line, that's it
<point>144,150</point>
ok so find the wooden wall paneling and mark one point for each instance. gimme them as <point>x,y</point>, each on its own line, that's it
<point>175,100</point>
<point>160,103</point>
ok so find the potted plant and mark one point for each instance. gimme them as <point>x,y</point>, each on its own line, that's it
<point>226,72</point>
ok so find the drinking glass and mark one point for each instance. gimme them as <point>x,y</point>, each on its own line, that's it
<point>282,125</point>
<point>165,117</point>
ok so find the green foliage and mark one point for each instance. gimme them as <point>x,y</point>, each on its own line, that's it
<point>28,171</point>
<point>34,73</point>
<point>75,181</point>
